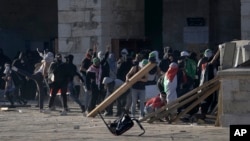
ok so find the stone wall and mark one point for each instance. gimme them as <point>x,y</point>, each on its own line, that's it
<point>235,99</point>
<point>245,19</point>
<point>82,23</point>
<point>222,22</point>
<point>175,14</point>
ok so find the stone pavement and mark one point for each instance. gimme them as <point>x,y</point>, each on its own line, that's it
<point>28,124</point>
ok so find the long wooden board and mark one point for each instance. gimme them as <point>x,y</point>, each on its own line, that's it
<point>122,89</point>
<point>178,100</point>
<point>204,96</point>
<point>190,99</point>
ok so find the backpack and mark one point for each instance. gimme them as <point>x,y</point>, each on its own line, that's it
<point>121,125</point>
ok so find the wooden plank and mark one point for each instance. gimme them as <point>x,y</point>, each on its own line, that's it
<point>219,111</point>
<point>121,89</point>
<point>182,103</point>
<point>190,93</point>
<point>206,94</point>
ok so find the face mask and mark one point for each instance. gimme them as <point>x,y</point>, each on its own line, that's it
<point>124,57</point>
<point>7,69</point>
<point>162,98</point>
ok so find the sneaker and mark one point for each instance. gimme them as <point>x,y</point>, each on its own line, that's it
<point>83,108</point>
<point>141,117</point>
<point>53,108</point>
<point>108,114</point>
<point>64,113</point>
<point>47,111</point>
<point>42,110</point>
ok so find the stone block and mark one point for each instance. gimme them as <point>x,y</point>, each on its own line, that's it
<point>245,19</point>
<point>63,5</point>
<point>236,107</point>
<point>85,4</point>
<point>244,85</point>
<point>85,44</point>
<point>245,34</point>
<point>232,119</point>
<point>63,45</point>
<point>64,30</point>
<point>245,8</point>
<point>70,17</point>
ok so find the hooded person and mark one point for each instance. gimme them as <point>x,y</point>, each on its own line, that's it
<point>124,53</point>
<point>190,67</point>
<point>105,68</point>
<point>86,62</point>
<point>170,82</point>
<point>208,72</point>
<point>9,89</point>
<point>112,65</point>
<point>93,82</point>
<point>153,75</point>
<point>138,89</point>
<point>71,86</point>
<point>154,56</point>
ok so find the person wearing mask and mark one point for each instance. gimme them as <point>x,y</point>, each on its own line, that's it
<point>123,66</point>
<point>87,62</point>
<point>208,72</point>
<point>153,75</point>
<point>111,85</point>
<point>170,86</point>
<point>138,89</point>
<point>72,69</point>
<point>4,59</point>
<point>113,65</point>
<point>9,86</point>
<point>105,67</point>
<point>190,68</point>
<point>93,81</point>
<point>155,103</point>
<point>63,73</point>
<point>21,81</point>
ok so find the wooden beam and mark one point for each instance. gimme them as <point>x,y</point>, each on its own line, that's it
<point>190,93</point>
<point>203,97</point>
<point>122,89</point>
<point>182,103</point>
<point>219,111</point>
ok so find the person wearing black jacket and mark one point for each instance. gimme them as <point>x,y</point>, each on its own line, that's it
<point>63,80</point>
<point>93,81</point>
<point>73,72</point>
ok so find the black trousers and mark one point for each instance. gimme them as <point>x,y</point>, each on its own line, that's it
<point>39,79</point>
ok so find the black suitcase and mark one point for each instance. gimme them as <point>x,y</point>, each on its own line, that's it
<point>123,124</point>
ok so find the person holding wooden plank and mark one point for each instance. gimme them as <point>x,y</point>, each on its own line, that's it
<point>138,89</point>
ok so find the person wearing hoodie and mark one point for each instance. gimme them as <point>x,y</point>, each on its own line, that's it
<point>138,89</point>
<point>63,75</point>
<point>86,62</point>
<point>105,68</point>
<point>72,73</point>
<point>170,82</point>
<point>93,81</point>
<point>208,72</point>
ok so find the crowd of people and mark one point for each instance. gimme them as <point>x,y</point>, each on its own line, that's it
<point>100,74</point>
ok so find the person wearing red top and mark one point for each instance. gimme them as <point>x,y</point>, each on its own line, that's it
<point>155,103</point>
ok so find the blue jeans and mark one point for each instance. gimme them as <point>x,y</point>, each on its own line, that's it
<point>135,95</point>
